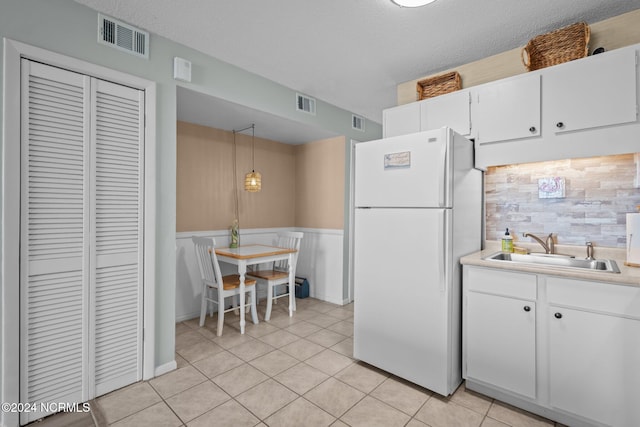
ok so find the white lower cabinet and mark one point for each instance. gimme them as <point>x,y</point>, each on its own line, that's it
<point>594,350</point>
<point>593,366</point>
<point>501,340</point>
<point>581,350</point>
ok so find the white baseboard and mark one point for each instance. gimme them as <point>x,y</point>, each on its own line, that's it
<point>188,316</point>
<point>167,367</point>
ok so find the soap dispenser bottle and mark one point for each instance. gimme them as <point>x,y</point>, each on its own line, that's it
<point>507,242</point>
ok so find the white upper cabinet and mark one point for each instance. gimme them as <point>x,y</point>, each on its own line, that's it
<point>600,91</point>
<point>401,120</point>
<point>583,108</point>
<point>452,110</point>
<point>508,109</point>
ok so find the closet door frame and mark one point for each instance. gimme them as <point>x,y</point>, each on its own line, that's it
<point>10,298</point>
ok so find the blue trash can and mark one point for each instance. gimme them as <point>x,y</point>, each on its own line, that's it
<point>302,287</point>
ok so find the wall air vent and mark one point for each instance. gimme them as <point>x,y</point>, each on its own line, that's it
<point>305,104</point>
<point>357,123</point>
<point>123,36</point>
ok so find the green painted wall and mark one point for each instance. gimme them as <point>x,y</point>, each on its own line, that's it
<point>65,27</point>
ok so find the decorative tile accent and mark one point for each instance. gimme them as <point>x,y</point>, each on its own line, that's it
<point>598,192</point>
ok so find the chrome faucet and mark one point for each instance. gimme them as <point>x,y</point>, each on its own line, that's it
<point>549,246</point>
<point>590,251</point>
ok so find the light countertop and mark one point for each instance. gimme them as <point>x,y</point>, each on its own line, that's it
<point>629,276</point>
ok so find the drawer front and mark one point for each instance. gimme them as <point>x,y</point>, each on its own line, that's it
<point>597,296</point>
<point>501,282</point>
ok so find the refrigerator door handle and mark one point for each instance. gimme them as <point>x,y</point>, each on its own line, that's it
<point>442,265</point>
<point>442,176</point>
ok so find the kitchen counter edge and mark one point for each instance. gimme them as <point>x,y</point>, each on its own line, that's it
<point>629,276</point>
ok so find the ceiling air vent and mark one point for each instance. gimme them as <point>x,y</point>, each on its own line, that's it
<point>306,104</point>
<point>357,122</point>
<point>123,36</point>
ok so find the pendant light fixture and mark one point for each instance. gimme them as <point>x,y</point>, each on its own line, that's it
<point>253,180</point>
<point>412,3</point>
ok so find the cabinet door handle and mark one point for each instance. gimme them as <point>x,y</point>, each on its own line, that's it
<point>559,125</point>
<point>558,315</point>
<point>527,308</point>
<point>532,129</point>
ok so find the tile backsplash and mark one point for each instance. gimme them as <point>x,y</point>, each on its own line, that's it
<point>598,192</point>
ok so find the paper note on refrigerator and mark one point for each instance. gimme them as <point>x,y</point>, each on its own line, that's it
<point>397,160</point>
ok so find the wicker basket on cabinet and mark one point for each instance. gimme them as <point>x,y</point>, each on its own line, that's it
<point>438,85</point>
<point>562,45</point>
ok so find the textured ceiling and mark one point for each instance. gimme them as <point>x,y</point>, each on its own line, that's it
<point>353,53</point>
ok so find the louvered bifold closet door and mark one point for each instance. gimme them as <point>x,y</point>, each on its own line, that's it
<point>117,247</point>
<point>54,236</point>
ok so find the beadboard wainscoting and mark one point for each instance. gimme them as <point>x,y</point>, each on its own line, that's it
<point>320,261</point>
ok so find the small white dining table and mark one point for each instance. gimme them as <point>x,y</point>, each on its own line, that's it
<point>256,254</point>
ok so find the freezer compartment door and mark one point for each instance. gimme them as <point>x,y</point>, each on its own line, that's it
<point>404,171</point>
<point>402,295</point>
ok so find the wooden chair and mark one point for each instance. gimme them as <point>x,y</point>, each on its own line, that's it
<point>278,274</point>
<point>226,286</point>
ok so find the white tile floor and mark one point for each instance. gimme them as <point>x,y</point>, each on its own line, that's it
<point>288,372</point>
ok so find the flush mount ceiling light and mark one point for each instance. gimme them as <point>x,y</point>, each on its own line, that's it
<point>412,3</point>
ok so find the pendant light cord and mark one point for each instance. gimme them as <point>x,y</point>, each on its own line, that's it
<point>253,147</point>
<point>235,180</point>
<point>235,169</point>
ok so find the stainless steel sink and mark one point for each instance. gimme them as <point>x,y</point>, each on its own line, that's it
<point>604,265</point>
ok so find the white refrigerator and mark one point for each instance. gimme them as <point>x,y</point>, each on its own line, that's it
<point>418,209</point>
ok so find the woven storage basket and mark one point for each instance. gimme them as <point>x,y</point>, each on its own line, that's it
<point>438,85</point>
<point>562,45</point>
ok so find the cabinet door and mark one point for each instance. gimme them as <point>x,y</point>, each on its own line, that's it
<point>509,109</point>
<point>593,365</point>
<point>401,120</point>
<point>452,110</point>
<point>500,342</point>
<point>594,92</point>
